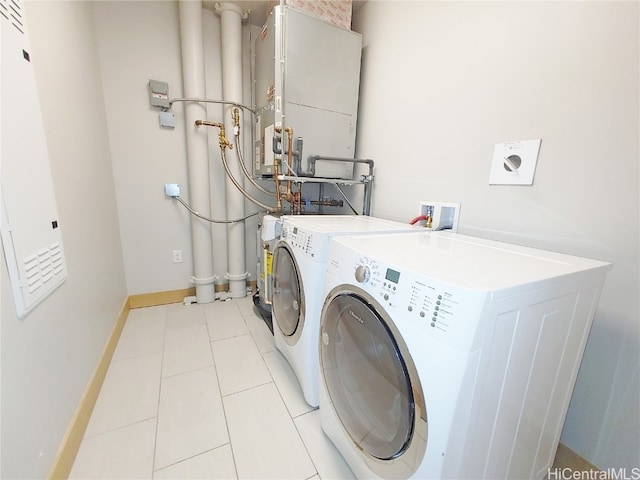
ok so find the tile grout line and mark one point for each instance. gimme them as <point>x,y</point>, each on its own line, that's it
<point>215,369</point>
<point>155,437</point>
<point>295,425</point>
<point>286,406</point>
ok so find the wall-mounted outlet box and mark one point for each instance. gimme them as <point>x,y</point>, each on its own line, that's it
<point>440,216</point>
<point>167,120</point>
<point>159,94</point>
<point>514,163</point>
<point>172,189</point>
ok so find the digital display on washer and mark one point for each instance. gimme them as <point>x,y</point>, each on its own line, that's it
<point>392,275</point>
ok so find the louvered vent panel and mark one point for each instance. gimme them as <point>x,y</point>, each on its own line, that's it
<point>43,266</point>
<point>30,231</point>
<point>11,10</point>
<point>57,259</point>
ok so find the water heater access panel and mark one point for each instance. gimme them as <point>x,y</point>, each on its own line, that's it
<point>307,77</point>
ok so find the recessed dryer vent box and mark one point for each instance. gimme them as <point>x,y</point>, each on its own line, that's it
<point>514,163</point>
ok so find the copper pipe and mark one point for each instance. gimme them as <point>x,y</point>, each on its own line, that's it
<point>224,143</point>
<point>293,198</point>
<point>236,130</point>
<point>289,131</point>
<point>278,194</point>
<point>208,124</point>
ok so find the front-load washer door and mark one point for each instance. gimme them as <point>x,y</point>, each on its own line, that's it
<point>372,383</point>
<point>288,295</point>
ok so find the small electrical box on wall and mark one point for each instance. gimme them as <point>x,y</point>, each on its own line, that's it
<point>159,94</point>
<point>31,236</point>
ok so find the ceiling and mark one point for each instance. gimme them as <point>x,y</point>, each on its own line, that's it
<point>259,9</point>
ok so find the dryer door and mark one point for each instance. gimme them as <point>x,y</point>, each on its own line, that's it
<point>372,383</point>
<point>288,298</point>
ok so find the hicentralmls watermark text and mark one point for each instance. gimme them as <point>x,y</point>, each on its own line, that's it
<point>608,474</point>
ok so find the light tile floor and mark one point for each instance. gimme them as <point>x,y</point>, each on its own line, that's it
<point>200,391</point>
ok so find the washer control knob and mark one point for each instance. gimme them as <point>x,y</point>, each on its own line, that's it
<point>363,273</point>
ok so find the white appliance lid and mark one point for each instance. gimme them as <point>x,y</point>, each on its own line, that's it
<point>346,223</point>
<point>487,263</point>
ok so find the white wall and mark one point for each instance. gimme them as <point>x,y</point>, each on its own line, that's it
<point>442,82</point>
<point>138,41</point>
<point>48,358</point>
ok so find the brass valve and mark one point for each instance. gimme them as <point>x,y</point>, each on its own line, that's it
<point>235,112</point>
<point>224,143</point>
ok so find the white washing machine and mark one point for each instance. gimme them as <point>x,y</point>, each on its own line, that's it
<point>448,356</point>
<point>299,266</point>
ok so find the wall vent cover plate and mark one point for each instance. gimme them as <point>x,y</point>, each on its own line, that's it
<point>30,231</point>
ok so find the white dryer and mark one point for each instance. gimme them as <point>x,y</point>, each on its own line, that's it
<point>299,266</point>
<point>448,356</point>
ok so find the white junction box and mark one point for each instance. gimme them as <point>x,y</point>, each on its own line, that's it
<point>440,216</point>
<point>172,189</point>
<point>514,163</point>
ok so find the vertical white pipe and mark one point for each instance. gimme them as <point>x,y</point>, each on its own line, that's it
<point>191,41</point>
<point>231,32</point>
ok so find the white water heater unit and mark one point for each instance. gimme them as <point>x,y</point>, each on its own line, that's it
<point>306,85</point>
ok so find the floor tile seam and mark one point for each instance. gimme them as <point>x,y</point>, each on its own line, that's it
<point>191,457</point>
<point>131,357</point>
<point>224,410</point>
<point>306,448</point>
<point>227,395</point>
<point>155,436</point>
<point>264,363</point>
<point>295,425</point>
<point>211,357</point>
<point>124,335</point>
<point>173,375</point>
<point>276,385</point>
<point>237,314</point>
<point>313,409</point>
<point>230,336</point>
<point>115,429</point>
<point>281,394</point>
<point>253,341</point>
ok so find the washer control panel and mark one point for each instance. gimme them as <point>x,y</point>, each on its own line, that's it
<point>443,310</point>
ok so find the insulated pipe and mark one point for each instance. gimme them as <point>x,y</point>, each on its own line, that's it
<point>191,42</point>
<point>231,17</point>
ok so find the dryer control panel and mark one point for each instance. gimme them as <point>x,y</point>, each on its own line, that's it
<point>447,312</point>
<point>304,242</point>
